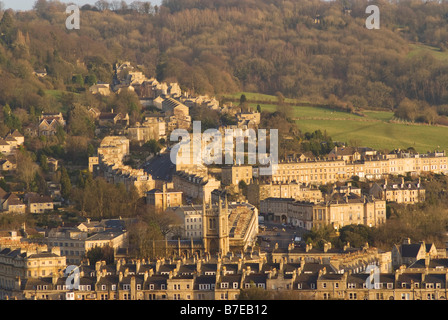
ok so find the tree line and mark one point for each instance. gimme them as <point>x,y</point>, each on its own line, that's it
<point>311,49</point>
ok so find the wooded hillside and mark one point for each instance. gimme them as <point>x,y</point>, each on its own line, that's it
<point>313,50</point>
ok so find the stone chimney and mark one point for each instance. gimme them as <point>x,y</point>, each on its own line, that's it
<point>97,266</point>
<point>218,265</point>
<point>260,264</point>
<point>17,284</point>
<point>398,272</point>
<point>291,246</point>
<point>120,276</point>
<point>199,266</point>
<point>54,278</point>
<point>138,264</point>
<point>118,266</point>
<point>308,247</point>
<point>427,260</point>
<point>240,265</point>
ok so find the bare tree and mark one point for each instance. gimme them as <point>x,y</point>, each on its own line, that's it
<point>102,5</point>
<point>26,168</point>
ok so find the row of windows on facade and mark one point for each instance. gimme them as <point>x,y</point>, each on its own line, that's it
<point>34,263</point>
<point>380,296</point>
<point>113,287</point>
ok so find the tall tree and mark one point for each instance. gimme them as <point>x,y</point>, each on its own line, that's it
<point>66,185</point>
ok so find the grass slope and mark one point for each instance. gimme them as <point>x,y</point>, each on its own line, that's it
<point>375,129</point>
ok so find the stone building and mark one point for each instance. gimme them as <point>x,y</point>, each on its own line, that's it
<point>402,192</point>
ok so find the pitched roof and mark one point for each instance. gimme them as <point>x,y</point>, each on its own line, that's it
<point>410,250</point>
<point>40,199</point>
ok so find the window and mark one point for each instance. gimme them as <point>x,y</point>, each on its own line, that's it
<point>204,286</point>
<point>224,285</point>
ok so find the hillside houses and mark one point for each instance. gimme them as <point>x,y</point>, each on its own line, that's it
<point>30,202</point>
<point>112,151</point>
<point>10,143</point>
<point>11,203</point>
<point>40,203</point>
<point>152,128</point>
<point>49,123</point>
<point>101,88</point>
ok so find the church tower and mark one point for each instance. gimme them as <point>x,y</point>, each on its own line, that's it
<point>215,224</point>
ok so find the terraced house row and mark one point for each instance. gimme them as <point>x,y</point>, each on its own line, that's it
<point>339,168</point>
<point>226,279</point>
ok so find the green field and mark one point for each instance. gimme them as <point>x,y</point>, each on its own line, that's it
<point>382,135</point>
<point>419,49</point>
<point>375,129</point>
<point>252,96</point>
